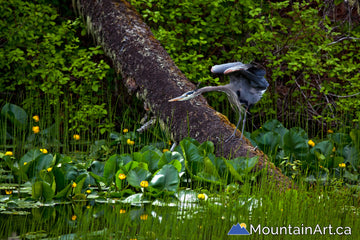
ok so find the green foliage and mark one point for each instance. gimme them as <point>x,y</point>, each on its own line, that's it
<point>41,58</point>
<point>298,156</point>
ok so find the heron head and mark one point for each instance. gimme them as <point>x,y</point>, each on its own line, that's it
<point>185,96</point>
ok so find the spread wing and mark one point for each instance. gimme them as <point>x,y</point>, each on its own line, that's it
<point>238,71</point>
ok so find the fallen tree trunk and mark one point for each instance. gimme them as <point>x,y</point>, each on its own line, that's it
<point>149,72</point>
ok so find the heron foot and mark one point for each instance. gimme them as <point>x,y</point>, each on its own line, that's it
<point>233,135</point>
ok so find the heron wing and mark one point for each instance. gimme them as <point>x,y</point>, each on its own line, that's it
<point>223,67</point>
<point>253,74</point>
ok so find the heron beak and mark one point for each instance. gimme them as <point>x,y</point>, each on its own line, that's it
<point>175,99</point>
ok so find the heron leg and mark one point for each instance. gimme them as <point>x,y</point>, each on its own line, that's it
<point>242,130</point>
<point>237,126</point>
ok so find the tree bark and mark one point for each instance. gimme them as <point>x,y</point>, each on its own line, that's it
<point>149,72</point>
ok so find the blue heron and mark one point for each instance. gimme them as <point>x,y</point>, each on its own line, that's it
<point>246,87</point>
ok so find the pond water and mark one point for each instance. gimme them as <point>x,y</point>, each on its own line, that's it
<point>94,220</point>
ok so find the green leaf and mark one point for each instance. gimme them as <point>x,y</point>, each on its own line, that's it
<point>193,159</point>
<point>15,114</point>
<point>268,142</point>
<point>295,144</point>
<point>42,191</point>
<point>166,179</point>
<point>168,157</point>
<point>152,159</point>
<point>80,182</point>
<point>111,167</point>
<point>137,175</point>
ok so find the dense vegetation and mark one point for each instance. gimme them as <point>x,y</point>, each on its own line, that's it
<point>66,133</point>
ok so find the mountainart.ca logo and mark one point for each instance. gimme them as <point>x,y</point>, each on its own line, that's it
<point>238,229</point>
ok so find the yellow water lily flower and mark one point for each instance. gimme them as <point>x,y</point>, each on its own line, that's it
<point>49,169</point>
<point>122,176</point>
<point>9,153</point>
<point>36,129</point>
<point>88,191</point>
<point>342,165</point>
<point>25,163</point>
<point>165,150</point>
<point>144,217</point>
<point>74,217</point>
<point>330,131</point>
<point>311,143</point>
<point>76,136</point>
<point>144,184</point>
<point>122,211</point>
<point>129,142</point>
<point>43,150</point>
<point>74,185</point>
<point>36,118</point>
<point>125,130</point>
<point>201,196</point>
<point>8,192</point>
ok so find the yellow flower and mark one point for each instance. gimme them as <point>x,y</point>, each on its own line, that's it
<point>74,185</point>
<point>122,211</point>
<point>334,149</point>
<point>49,169</point>
<point>43,150</point>
<point>144,184</point>
<point>76,136</point>
<point>201,196</point>
<point>8,153</point>
<point>25,163</point>
<point>8,192</point>
<point>36,129</point>
<point>330,131</point>
<point>165,150</point>
<point>125,130</point>
<point>342,165</point>
<point>321,166</point>
<point>144,217</point>
<point>129,142</point>
<point>36,118</point>
<point>88,191</point>
<point>169,142</point>
<point>311,143</point>
<point>122,176</point>
<point>73,217</point>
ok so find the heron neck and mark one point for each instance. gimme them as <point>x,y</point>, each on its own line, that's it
<point>221,88</point>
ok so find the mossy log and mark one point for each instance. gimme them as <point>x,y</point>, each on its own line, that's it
<point>148,71</point>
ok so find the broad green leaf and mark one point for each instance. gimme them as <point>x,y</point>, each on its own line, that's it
<point>268,142</point>
<point>30,156</point>
<point>206,148</point>
<point>64,192</point>
<point>137,175</point>
<point>166,179</point>
<point>351,155</point>
<point>168,157</point>
<point>152,158</point>
<point>111,167</point>
<point>15,114</point>
<point>193,159</point>
<point>42,191</point>
<point>80,183</point>
<point>295,144</point>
